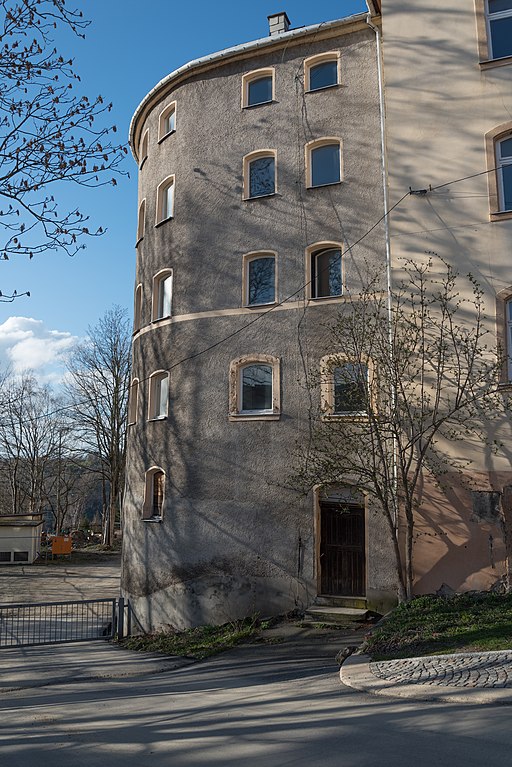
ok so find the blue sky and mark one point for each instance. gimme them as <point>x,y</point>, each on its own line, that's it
<point>129,47</point>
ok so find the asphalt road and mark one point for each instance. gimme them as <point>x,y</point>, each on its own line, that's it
<point>272,705</point>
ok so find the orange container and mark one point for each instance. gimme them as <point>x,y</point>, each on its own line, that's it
<point>61,544</point>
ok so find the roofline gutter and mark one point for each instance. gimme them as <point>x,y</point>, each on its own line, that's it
<point>232,53</point>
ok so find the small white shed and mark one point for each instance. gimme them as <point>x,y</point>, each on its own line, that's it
<point>20,538</point>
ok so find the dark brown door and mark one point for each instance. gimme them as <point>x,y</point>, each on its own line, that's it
<point>342,550</point>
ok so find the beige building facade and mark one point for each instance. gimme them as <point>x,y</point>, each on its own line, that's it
<point>448,91</point>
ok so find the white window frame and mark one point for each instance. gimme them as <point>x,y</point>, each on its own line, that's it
<point>158,406</point>
<point>495,17</point>
<point>133,403</point>
<point>247,161</point>
<point>163,129</point>
<point>236,412</point>
<point>149,489</point>
<point>162,286</point>
<point>247,259</point>
<point>165,200</point>
<point>310,148</point>
<point>249,77</point>
<point>322,58</point>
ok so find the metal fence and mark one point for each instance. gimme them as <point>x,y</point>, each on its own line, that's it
<point>55,622</point>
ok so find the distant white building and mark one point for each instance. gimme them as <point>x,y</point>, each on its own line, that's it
<point>20,538</point>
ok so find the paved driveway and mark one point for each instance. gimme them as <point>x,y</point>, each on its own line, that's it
<point>60,581</point>
<point>272,705</point>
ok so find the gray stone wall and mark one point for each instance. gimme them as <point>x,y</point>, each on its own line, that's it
<point>235,538</point>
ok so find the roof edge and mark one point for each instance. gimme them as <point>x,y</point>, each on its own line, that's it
<point>228,53</point>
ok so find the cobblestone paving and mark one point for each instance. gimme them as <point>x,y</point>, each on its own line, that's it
<point>487,669</point>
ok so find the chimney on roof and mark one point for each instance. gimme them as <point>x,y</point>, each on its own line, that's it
<point>278,23</point>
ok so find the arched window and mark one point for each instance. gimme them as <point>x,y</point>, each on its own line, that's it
<point>165,200</point>
<point>323,162</point>
<point>258,87</point>
<point>167,121</point>
<point>133,401</point>
<point>325,270</point>
<point>154,495</point>
<point>162,294</point>
<point>259,279</point>
<point>141,221</point>
<point>259,174</point>
<point>143,152</point>
<point>321,71</point>
<point>137,309</point>
<point>158,395</point>
<point>254,388</point>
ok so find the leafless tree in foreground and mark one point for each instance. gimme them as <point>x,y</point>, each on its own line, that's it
<point>49,133</point>
<point>405,380</point>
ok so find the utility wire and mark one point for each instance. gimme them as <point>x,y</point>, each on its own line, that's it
<point>279,303</point>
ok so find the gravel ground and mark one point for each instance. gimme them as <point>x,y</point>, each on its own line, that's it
<point>61,580</point>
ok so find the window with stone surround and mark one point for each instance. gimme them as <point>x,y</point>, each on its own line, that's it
<point>254,388</point>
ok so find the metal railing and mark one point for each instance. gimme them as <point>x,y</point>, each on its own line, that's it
<point>40,623</point>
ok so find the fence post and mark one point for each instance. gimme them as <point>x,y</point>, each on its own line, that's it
<point>120,618</point>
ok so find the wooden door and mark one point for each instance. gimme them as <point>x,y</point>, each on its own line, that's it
<point>342,550</point>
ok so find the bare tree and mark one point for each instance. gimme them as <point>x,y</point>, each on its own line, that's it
<point>29,438</point>
<point>406,378</point>
<point>48,133</point>
<point>100,380</point>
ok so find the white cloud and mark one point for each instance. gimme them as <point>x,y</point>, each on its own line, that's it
<point>26,344</point>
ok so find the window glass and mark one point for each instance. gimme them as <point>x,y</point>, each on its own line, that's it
<point>259,91</point>
<point>325,165</point>
<point>504,160</point>
<point>323,75</point>
<point>168,202</point>
<point>326,273</point>
<point>164,297</point>
<point>501,37</point>
<point>350,388</point>
<point>256,388</point>
<point>169,124</point>
<point>262,177</point>
<point>162,397</point>
<point>261,281</point>
<point>496,6</point>
<point>158,494</point>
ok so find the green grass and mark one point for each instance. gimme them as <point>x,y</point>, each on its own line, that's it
<point>198,643</point>
<point>433,625</point>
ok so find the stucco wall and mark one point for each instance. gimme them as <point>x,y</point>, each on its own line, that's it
<point>235,538</point>
<point>440,104</point>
